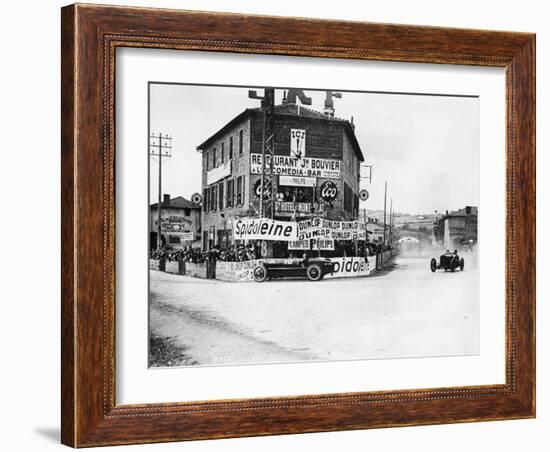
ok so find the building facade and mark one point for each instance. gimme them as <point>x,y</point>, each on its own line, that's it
<point>316,170</point>
<point>460,227</point>
<point>180,223</point>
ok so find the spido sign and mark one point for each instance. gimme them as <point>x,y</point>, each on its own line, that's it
<point>264,229</point>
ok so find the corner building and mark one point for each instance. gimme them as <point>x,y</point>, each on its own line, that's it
<point>319,179</point>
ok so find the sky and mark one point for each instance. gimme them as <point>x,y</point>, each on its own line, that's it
<point>425,147</point>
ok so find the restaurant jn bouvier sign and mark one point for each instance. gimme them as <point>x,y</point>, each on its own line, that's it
<point>292,166</point>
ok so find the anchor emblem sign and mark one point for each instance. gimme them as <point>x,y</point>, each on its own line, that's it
<point>297,143</point>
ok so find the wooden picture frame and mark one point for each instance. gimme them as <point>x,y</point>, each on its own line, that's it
<point>90,36</point>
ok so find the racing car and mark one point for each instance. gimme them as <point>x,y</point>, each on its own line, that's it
<point>448,261</point>
<point>313,269</point>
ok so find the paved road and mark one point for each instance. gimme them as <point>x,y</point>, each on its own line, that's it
<point>405,312</point>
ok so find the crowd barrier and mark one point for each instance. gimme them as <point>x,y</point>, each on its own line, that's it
<point>346,267</point>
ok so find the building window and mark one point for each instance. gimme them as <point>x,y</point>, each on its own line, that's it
<point>214,164</point>
<point>222,152</point>
<point>229,193</point>
<point>213,197</point>
<point>176,239</point>
<point>239,190</point>
<point>241,142</point>
<point>230,147</point>
<point>187,212</point>
<point>205,200</point>
<point>347,198</point>
<point>207,159</point>
<point>220,195</point>
<point>349,158</point>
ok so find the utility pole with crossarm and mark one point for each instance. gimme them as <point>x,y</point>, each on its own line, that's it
<point>268,147</point>
<point>160,146</point>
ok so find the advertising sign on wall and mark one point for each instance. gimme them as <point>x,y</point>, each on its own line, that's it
<point>284,165</point>
<point>297,181</point>
<point>258,187</point>
<point>188,236</point>
<point>173,223</point>
<point>298,245</point>
<point>328,191</point>
<point>218,173</point>
<point>297,143</point>
<point>312,244</point>
<point>322,244</point>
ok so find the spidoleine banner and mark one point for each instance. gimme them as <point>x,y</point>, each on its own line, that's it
<point>319,229</point>
<point>264,229</point>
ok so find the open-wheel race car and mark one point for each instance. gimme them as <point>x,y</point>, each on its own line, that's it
<point>448,261</point>
<point>314,268</point>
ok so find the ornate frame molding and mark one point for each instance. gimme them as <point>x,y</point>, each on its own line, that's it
<point>90,37</point>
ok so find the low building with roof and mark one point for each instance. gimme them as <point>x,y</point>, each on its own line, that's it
<point>460,227</point>
<point>180,223</point>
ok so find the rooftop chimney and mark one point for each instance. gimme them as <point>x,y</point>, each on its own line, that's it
<point>166,199</point>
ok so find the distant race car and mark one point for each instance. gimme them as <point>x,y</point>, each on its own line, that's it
<point>448,261</point>
<point>314,268</point>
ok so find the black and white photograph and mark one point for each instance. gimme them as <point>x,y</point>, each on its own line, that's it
<point>292,224</point>
<point>275,226</point>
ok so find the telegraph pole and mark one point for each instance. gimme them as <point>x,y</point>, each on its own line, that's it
<point>391,221</point>
<point>160,146</point>
<point>385,195</point>
<point>268,145</point>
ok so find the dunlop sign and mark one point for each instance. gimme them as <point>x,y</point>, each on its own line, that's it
<point>264,229</point>
<point>285,165</point>
<point>320,228</point>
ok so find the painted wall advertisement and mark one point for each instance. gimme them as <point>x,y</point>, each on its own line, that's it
<point>173,223</point>
<point>218,173</point>
<point>284,165</point>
